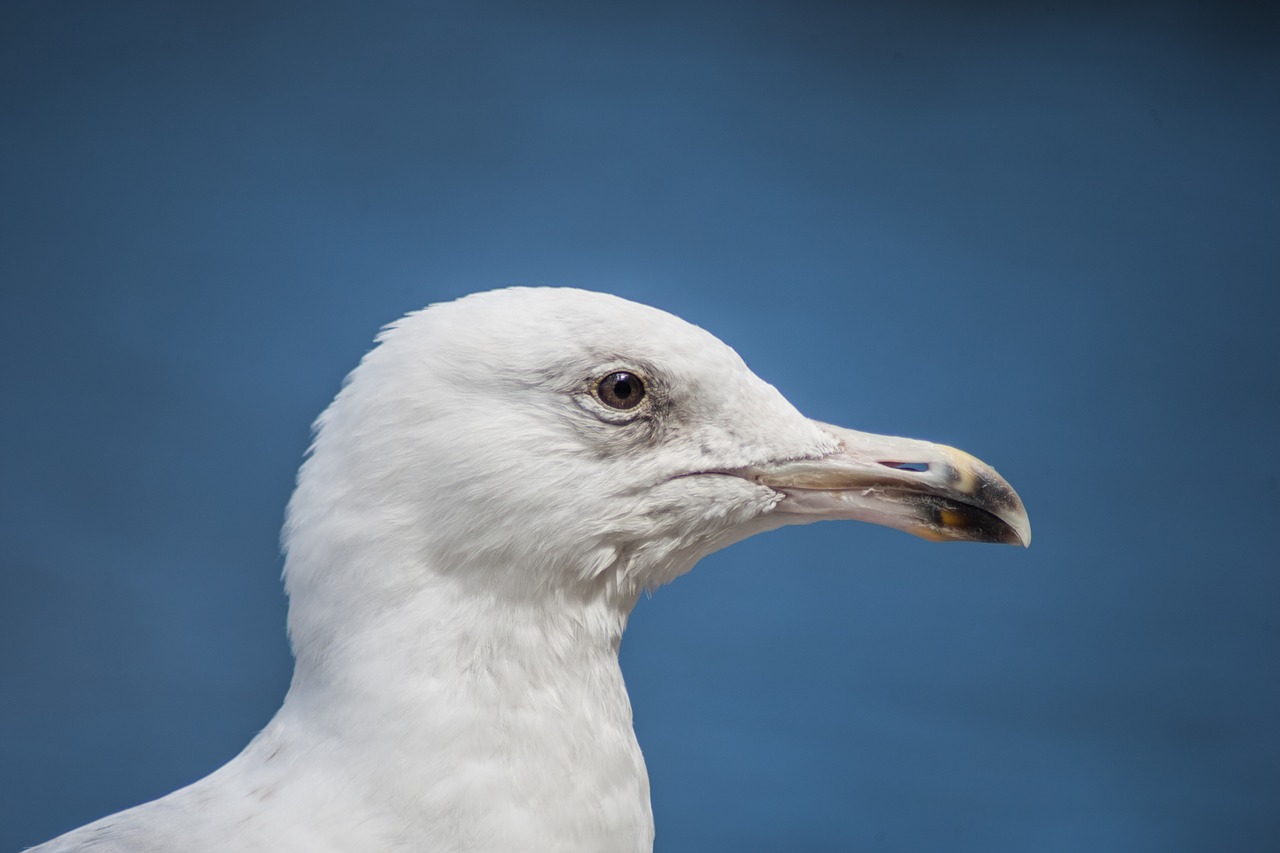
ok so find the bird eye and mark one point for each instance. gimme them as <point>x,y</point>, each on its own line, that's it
<point>621,390</point>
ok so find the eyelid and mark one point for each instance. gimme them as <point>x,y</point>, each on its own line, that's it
<point>588,397</point>
<point>605,390</point>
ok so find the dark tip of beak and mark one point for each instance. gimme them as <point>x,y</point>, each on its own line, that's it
<point>967,523</point>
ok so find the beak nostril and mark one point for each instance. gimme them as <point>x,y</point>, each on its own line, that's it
<point>920,467</point>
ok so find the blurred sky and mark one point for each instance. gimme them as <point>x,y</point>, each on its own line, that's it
<point>1046,233</point>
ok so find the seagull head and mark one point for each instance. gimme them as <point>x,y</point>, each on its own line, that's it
<point>548,441</point>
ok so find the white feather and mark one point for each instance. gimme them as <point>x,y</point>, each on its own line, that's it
<point>467,539</point>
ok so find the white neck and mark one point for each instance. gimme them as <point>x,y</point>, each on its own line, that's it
<point>476,722</point>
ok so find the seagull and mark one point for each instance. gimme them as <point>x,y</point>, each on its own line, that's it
<point>495,485</point>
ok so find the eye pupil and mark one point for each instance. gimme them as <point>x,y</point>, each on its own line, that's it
<point>621,390</point>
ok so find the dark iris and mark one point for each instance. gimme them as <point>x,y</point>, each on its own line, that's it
<point>621,390</point>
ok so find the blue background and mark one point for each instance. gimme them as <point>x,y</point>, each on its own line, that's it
<point>1048,234</point>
